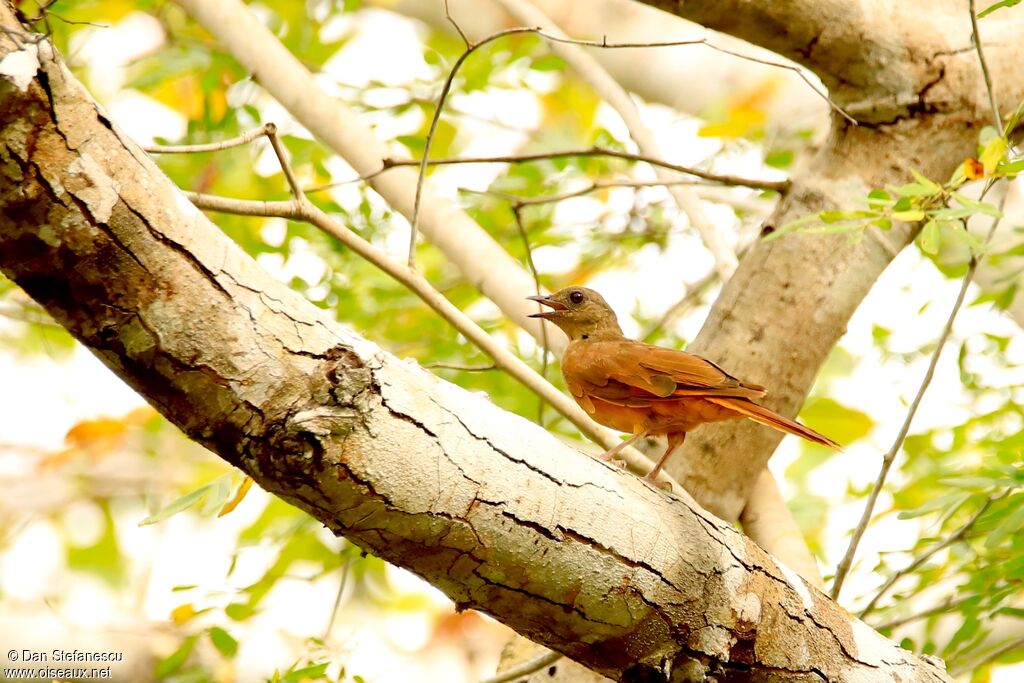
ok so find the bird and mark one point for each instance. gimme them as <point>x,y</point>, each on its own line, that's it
<point>644,389</point>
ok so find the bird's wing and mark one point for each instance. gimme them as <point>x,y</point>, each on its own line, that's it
<point>636,374</point>
<point>691,373</point>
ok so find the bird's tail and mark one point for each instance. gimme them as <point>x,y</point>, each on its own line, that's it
<point>773,420</point>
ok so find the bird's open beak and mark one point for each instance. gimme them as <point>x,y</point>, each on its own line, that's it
<point>545,301</point>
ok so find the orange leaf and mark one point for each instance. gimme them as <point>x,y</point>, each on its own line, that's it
<point>973,169</point>
<point>237,498</point>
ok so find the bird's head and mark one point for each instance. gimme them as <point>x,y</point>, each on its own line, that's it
<point>581,313</point>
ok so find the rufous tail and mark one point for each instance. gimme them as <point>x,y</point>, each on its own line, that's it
<point>774,420</point>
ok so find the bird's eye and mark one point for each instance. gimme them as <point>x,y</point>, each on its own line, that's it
<point>576,297</point>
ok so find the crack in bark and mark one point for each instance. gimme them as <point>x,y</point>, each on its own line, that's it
<point>182,251</point>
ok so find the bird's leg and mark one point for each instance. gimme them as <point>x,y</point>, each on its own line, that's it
<point>675,440</point>
<point>614,450</point>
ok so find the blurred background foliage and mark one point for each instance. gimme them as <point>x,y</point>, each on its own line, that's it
<point>955,500</point>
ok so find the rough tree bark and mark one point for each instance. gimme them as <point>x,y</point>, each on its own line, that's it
<point>486,506</point>
<point>289,82</point>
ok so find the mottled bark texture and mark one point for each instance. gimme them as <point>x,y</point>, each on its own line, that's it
<point>908,73</point>
<point>486,506</point>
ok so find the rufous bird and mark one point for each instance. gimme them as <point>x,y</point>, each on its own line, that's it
<point>644,389</point>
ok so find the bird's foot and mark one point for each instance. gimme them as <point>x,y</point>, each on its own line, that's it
<point>662,485</point>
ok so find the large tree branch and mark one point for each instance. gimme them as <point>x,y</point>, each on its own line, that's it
<point>487,506</point>
<point>501,279</point>
<point>878,59</point>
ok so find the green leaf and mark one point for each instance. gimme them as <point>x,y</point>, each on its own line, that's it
<point>981,207</point>
<point>548,63</point>
<point>982,483</point>
<point>176,659</point>
<point>915,190</point>
<point>947,502</point>
<point>999,298</point>
<point>102,558</point>
<point>1009,526</point>
<point>1011,168</point>
<point>239,611</point>
<point>782,158</point>
<point>186,501</point>
<point>312,671</point>
<point>842,423</point>
<point>933,187</point>
<point>415,143</point>
<point>930,239</point>
<point>223,641</point>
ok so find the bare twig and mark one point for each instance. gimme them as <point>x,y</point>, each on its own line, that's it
<point>289,174</point>
<point>525,669</point>
<point>471,47</point>
<point>887,460</point>
<point>591,71</point>
<point>346,565</point>
<point>517,214</point>
<point>458,29</point>
<point>422,163</point>
<point>462,366</point>
<point>927,555</point>
<point>243,139</point>
<point>976,39</point>
<point>721,178</point>
<point>924,614</point>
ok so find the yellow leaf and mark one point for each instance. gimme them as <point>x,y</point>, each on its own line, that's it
<point>992,154</point>
<point>237,498</point>
<point>183,613</point>
<point>908,216</point>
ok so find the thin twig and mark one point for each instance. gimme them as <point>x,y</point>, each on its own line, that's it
<point>709,193</point>
<point>517,214</point>
<point>525,669</point>
<point>844,565</point>
<point>462,366</point>
<point>289,174</point>
<point>721,178</point>
<point>243,139</point>
<point>927,555</point>
<point>448,15</point>
<point>422,163</point>
<point>337,597</point>
<point>924,614</point>
<point>604,44</point>
<point>471,47</point>
<point>976,39</point>
<point>586,66</point>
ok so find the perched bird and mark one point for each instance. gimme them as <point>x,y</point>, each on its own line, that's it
<point>643,389</point>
